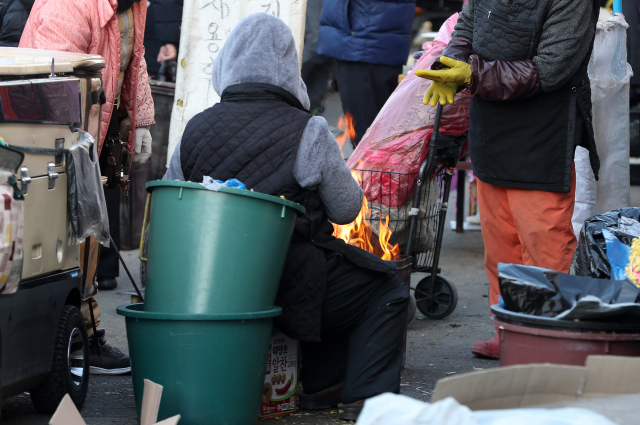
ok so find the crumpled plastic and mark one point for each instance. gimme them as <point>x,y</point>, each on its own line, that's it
<point>549,293</point>
<point>398,139</point>
<point>85,196</point>
<point>590,258</point>
<point>215,185</point>
<point>394,409</point>
<point>617,254</point>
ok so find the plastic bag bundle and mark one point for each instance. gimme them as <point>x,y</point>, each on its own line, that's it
<point>549,293</point>
<point>590,258</point>
<point>395,409</point>
<point>398,139</point>
<point>609,75</point>
<point>86,203</point>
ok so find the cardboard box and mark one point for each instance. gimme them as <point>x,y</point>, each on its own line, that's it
<point>536,384</point>
<point>67,413</point>
<point>279,394</point>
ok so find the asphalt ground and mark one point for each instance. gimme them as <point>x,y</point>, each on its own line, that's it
<point>435,349</point>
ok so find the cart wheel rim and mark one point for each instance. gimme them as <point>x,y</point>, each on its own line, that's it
<point>442,297</point>
<point>76,358</point>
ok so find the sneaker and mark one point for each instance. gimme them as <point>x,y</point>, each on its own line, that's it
<point>489,349</point>
<point>325,399</point>
<point>350,411</point>
<point>105,359</point>
<point>106,284</point>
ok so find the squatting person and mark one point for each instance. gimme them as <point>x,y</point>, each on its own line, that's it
<point>346,306</point>
<point>525,62</point>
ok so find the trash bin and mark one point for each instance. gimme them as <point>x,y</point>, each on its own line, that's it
<point>212,367</point>
<point>526,339</point>
<point>215,252</point>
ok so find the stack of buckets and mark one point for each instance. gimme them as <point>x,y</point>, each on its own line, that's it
<point>203,332</point>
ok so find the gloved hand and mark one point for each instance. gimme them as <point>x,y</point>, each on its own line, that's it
<point>458,72</point>
<point>440,93</point>
<point>142,147</point>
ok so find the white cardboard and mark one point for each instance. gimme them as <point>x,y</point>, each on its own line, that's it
<point>67,413</point>
<point>206,24</point>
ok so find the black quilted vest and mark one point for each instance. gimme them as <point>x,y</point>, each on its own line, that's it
<point>253,135</point>
<point>528,143</point>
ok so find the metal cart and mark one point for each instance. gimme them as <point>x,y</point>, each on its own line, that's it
<point>46,98</point>
<point>424,218</point>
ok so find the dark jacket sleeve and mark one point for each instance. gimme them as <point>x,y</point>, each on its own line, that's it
<point>503,80</point>
<point>494,80</point>
<point>168,20</point>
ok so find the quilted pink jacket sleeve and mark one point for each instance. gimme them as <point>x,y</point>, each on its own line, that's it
<point>145,110</point>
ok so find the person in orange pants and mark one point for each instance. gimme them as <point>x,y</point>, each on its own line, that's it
<point>525,64</point>
<point>523,226</point>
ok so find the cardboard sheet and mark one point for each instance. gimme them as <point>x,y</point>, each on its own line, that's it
<point>531,385</point>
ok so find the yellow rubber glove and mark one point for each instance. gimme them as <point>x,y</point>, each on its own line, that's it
<point>440,93</point>
<point>458,72</point>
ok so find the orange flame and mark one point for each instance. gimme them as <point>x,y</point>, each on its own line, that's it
<point>389,252</point>
<point>359,233</point>
<point>346,124</point>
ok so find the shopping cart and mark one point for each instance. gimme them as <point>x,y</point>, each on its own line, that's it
<point>417,226</point>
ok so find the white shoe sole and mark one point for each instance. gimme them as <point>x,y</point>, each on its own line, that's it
<point>100,371</point>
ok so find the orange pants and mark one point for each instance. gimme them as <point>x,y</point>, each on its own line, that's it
<point>523,226</point>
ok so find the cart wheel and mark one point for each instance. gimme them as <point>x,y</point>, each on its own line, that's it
<point>412,309</point>
<point>445,298</point>
<point>70,370</point>
<point>143,263</point>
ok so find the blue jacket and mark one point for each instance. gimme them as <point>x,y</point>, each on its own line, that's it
<point>371,31</point>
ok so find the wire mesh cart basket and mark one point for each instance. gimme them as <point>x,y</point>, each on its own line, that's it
<point>416,204</point>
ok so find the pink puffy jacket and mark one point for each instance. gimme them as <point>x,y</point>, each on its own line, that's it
<point>91,26</point>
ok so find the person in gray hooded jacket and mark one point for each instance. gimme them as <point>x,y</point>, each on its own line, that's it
<point>346,306</point>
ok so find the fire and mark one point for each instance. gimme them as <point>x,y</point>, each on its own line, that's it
<point>389,252</point>
<point>359,233</point>
<point>346,124</point>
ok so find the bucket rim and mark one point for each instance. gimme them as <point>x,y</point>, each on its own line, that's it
<point>136,311</point>
<point>248,193</point>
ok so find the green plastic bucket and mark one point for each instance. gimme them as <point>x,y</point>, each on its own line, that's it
<point>212,366</point>
<point>215,252</point>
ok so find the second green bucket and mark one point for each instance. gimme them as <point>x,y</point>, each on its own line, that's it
<point>212,366</point>
<point>215,252</point>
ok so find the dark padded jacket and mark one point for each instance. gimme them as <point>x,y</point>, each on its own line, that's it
<point>14,14</point>
<point>370,31</point>
<point>164,21</point>
<point>524,131</point>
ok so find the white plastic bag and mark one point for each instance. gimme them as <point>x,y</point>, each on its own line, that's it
<point>609,74</point>
<point>393,409</point>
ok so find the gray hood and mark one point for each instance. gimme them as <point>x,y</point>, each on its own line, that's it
<point>260,49</point>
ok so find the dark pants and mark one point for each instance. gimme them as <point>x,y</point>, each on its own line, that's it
<point>364,89</point>
<point>316,69</point>
<point>316,73</point>
<point>108,266</point>
<point>364,316</point>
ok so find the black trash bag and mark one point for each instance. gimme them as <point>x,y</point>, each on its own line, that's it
<point>544,292</point>
<point>590,258</point>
